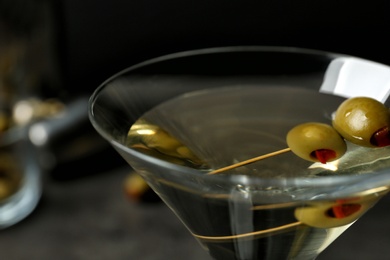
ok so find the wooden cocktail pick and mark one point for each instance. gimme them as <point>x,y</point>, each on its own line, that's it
<point>252,160</point>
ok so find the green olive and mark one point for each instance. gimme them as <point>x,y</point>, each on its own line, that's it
<point>153,140</point>
<point>316,142</point>
<point>334,214</point>
<point>135,187</point>
<point>363,121</point>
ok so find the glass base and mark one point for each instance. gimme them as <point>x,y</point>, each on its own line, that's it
<point>22,203</point>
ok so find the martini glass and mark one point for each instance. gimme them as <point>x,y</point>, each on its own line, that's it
<point>178,118</point>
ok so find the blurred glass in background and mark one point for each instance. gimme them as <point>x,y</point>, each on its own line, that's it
<point>44,127</point>
<point>29,73</point>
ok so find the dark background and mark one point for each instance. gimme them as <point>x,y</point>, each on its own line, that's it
<point>89,217</point>
<point>99,38</point>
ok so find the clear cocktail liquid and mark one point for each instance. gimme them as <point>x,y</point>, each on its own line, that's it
<point>210,129</point>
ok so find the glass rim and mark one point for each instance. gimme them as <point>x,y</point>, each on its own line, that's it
<point>376,179</point>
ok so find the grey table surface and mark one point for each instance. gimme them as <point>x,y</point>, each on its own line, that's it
<point>91,218</point>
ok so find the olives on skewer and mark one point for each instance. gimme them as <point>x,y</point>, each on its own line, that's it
<point>363,121</point>
<point>316,142</point>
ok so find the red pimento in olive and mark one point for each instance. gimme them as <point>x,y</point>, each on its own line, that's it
<point>324,155</point>
<point>344,210</point>
<point>381,137</point>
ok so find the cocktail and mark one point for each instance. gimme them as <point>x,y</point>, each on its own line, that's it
<point>216,133</point>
